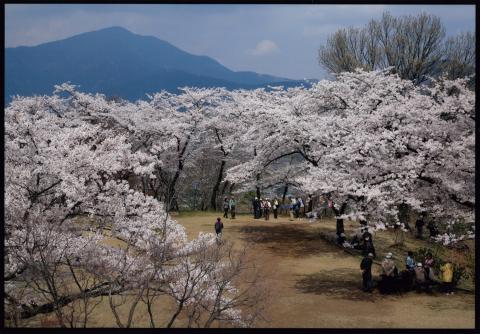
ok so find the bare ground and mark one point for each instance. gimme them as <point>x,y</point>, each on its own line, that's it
<point>316,284</point>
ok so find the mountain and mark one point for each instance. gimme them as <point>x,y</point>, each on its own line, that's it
<point>117,62</point>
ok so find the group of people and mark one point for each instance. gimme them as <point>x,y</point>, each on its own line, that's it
<point>263,206</point>
<point>229,206</point>
<point>361,239</point>
<point>418,275</point>
<point>431,226</point>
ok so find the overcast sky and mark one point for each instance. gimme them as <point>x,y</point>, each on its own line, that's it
<point>281,40</point>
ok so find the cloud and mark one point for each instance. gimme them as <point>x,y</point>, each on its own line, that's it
<point>264,47</point>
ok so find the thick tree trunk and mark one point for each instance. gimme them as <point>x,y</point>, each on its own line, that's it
<point>213,199</point>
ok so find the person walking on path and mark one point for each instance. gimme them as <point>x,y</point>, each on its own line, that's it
<point>219,229</point>
<point>447,277</point>
<point>366,268</point>
<point>225,207</point>
<point>275,208</point>
<point>232,205</point>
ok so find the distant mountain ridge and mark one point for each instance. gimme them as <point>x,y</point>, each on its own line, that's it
<point>117,62</point>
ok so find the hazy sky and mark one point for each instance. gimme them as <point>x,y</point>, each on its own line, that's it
<point>280,40</point>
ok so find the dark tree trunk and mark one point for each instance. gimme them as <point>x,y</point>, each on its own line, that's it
<point>213,199</point>
<point>285,191</point>
<point>257,176</point>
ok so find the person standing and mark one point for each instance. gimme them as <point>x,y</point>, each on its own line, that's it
<point>410,262</point>
<point>447,277</point>
<point>301,207</point>
<point>366,268</point>
<point>293,204</point>
<point>419,225</point>
<point>432,228</point>
<point>368,246</point>
<point>275,208</point>
<point>232,205</point>
<point>256,208</point>
<point>267,206</point>
<point>338,213</point>
<point>428,265</point>
<point>219,229</point>
<point>225,208</point>
<point>420,279</point>
<point>310,203</point>
<point>297,208</point>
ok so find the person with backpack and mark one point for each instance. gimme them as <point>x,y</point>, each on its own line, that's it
<point>231,206</point>
<point>219,229</point>
<point>366,268</point>
<point>275,208</point>
<point>226,205</point>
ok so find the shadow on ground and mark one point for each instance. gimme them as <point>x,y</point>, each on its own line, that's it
<point>288,240</point>
<point>338,283</point>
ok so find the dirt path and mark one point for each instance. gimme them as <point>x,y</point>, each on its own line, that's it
<point>315,284</point>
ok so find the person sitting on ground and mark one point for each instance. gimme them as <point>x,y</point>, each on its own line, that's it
<point>226,205</point>
<point>341,239</point>
<point>420,279</point>
<point>218,229</point>
<point>410,262</point>
<point>447,277</point>
<point>366,268</point>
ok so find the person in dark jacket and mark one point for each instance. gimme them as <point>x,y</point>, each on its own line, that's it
<point>368,246</point>
<point>432,228</point>
<point>275,206</point>
<point>338,213</point>
<point>218,229</point>
<point>226,205</point>
<point>366,268</point>
<point>256,208</point>
<point>419,226</point>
